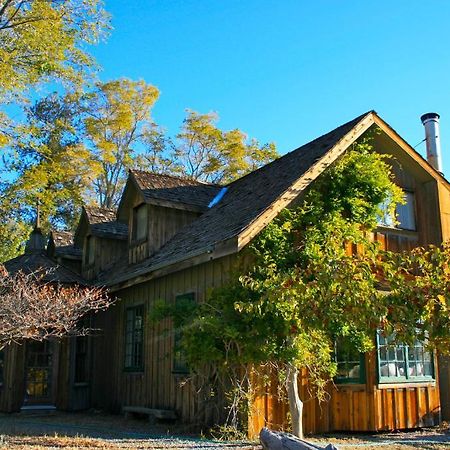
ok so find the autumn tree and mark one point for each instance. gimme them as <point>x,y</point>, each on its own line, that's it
<point>118,121</point>
<point>303,290</point>
<point>31,308</point>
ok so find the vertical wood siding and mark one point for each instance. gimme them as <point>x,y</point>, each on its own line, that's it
<point>155,386</point>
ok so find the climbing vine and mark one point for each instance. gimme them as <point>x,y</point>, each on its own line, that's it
<point>298,288</point>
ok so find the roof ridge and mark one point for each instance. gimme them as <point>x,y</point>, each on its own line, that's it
<point>356,120</point>
<point>176,177</point>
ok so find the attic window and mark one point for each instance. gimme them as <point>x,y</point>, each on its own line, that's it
<point>405,214</point>
<point>90,250</point>
<point>139,222</point>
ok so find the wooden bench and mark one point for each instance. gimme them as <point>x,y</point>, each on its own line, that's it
<point>152,413</point>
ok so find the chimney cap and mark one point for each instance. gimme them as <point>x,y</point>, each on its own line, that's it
<point>430,115</point>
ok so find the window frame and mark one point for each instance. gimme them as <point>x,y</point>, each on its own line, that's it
<point>179,365</point>
<point>135,223</point>
<point>406,378</point>
<point>89,259</point>
<point>389,222</point>
<point>132,366</point>
<point>361,379</point>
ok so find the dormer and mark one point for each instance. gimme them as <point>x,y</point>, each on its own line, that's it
<point>157,206</point>
<point>102,239</point>
<point>61,248</point>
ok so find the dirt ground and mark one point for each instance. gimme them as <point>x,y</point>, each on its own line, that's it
<point>101,431</point>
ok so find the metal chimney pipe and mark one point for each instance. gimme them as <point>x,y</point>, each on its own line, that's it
<point>431,123</point>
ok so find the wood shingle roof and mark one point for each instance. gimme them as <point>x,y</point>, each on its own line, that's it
<point>162,189</point>
<point>245,201</point>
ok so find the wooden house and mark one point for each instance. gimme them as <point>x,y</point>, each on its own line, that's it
<point>174,238</point>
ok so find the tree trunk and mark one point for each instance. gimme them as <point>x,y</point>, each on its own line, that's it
<point>295,404</point>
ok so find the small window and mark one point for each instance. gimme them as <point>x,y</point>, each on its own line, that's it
<point>2,365</point>
<point>179,359</point>
<point>140,222</point>
<point>81,359</point>
<point>402,363</point>
<point>90,250</point>
<point>350,363</point>
<point>134,339</point>
<point>405,214</point>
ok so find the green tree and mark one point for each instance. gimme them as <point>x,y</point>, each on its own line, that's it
<point>44,39</point>
<point>303,290</point>
<point>206,153</point>
<point>47,164</point>
<point>118,121</point>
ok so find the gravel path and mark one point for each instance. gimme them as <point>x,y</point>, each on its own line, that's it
<point>82,431</point>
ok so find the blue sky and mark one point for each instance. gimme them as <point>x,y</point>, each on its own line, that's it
<point>287,70</point>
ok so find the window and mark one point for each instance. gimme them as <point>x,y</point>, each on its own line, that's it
<point>90,250</point>
<point>350,363</point>
<point>402,363</point>
<point>405,214</point>
<point>134,341</point>
<point>81,359</point>
<point>140,222</point>
<point>2,365</point>
<point>179,359</point>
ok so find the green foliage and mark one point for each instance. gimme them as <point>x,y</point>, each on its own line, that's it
<point>206,153</point>
<point>118,119</point>
<point>50,163</point>
<point>303,288</point>
<point>42,40</point>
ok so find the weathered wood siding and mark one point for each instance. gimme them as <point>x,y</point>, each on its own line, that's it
<point>13,388</point>
<point>107,252</point>
<point>350,407</point>
<point>156,386</point>
<point>163,223</point>
<point>444,361</point>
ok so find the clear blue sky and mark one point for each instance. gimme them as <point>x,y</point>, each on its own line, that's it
<point>287,70</point>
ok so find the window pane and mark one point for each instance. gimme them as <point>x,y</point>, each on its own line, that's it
<point>403,363</point>
<point>350,363</point>
<point>134,338</point>
<point>406,213</point>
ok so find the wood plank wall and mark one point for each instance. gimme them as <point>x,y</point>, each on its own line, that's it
<point>359,407</point>
<point>155,386</point>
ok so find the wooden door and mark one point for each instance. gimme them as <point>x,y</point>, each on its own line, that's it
<point>40,373</point>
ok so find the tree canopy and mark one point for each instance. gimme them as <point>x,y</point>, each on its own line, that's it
<point>42,39</point>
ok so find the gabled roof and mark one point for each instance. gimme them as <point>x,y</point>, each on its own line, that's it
<point>99,215</point>
<point>172,191</point>
<point>103,223</point>
<point>37,263</point>
<point>248,205</point>
<point>63,242</point>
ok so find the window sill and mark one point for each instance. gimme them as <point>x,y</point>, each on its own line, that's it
<point>406,384</point>
<point>394,230</point>
<point>350,386</point>
<point>135,243</point>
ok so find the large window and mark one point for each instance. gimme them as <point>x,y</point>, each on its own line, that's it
<point>179,359</point>
<point>350,363</point>
<point>403,363</point>
<point>139,223</point>
<point>134,338</point>
<point>405,214</point>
